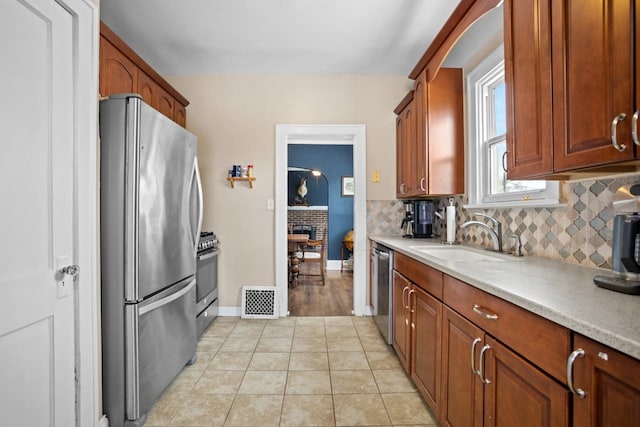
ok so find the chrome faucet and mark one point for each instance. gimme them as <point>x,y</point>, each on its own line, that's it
<point>494,231</point>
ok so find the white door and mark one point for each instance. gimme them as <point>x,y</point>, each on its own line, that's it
<point>37,355</point>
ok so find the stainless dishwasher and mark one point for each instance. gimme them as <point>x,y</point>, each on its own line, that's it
<point>382,301</point>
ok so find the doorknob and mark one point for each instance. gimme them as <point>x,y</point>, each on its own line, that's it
<point>71,270</point>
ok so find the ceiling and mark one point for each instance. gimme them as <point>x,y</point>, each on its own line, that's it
<point>278,36</point>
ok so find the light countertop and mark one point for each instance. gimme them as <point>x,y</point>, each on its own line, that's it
<point>559,291</point>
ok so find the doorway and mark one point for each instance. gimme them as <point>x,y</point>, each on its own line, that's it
<point>353,135</point>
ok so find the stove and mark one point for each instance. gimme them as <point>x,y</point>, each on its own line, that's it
<point>208,240</point>
<point>206,280</point>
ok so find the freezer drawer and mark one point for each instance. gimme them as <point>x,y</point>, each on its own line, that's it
<point>160,340</point>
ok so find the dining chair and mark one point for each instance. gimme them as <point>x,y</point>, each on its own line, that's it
<point>314,252</point>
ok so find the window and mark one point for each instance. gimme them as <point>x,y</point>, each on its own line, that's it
<point>488,185</point>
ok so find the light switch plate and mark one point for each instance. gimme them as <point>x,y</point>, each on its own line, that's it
<point>270,204</point>
<point>376,176</point>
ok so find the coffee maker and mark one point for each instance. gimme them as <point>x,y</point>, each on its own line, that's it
<point>407,221</point>
<point>625,259</point>
<point>423,218</point>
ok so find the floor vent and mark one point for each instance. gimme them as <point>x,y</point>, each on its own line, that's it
<point>259,302</point>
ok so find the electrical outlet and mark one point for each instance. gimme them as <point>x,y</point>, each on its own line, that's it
<point>270,204</point>
<point>376,176</point>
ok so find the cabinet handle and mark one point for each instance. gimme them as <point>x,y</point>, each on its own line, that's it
<point>634,127</point>
<point>504,161</point>
<point>614,137</point>
<point>473,356</point>
<point>481,363</point>
<point>412,310</point>
<point>570,361</point>
<point>405,289</point>
<point>422,184</point>
<point>483,313</point>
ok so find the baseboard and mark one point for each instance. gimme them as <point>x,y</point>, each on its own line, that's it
<point>229,311</point>
<point>104,422</point>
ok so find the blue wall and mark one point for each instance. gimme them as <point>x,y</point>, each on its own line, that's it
<point>334,161</point>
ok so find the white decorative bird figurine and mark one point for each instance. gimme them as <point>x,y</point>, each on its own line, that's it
<point>302,188</point>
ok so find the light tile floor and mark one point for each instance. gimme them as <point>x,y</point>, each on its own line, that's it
<point>294,371</point>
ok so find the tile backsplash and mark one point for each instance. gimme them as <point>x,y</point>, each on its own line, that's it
<point>579,232</point>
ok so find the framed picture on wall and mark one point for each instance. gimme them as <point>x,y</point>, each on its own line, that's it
<point>348,186</point>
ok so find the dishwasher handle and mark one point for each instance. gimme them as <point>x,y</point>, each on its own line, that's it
<point>381,255</point>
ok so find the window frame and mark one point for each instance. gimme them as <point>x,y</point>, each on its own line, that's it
<point>486,74</point>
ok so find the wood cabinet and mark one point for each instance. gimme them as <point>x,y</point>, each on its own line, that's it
<point>417,324</point>
<point>430,137</point>
<point>123,71</point>
<point>401,320</point>
<point>611,383</point>
<point>479,360</point>
<point>405,143</point>
<point>486,383</point>
<point>527,54</point>
<point>444,105</point>
<point>426,327</point>
<point>570,72</point>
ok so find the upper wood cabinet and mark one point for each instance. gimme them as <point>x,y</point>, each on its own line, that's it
<point>405,143</point>
<point>430,137</point>
<point>123,71</point>
<point>570,77</point>
<point>527,52</point>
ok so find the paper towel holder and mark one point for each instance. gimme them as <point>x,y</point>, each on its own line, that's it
<point>451,225</point>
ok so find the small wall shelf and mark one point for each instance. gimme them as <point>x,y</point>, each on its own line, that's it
<point>234,179</point>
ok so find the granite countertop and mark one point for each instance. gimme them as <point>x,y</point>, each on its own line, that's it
<point>559,291</point>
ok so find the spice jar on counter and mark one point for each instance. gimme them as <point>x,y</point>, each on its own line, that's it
<point>250,171</point>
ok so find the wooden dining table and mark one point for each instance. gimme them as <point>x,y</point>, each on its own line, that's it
<point>295,243</point>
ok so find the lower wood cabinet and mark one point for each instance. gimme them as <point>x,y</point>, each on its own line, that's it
<point>486,384</point>
<point>401,320</point>
<point>426,329</point>
<point>418,327</point>
<point>479,360</point>
<point>610,382</point>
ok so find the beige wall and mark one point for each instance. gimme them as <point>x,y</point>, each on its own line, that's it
<point>234,117</point>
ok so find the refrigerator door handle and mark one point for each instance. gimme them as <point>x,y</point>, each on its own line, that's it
<point>166,300</point>
<point>196,175</point>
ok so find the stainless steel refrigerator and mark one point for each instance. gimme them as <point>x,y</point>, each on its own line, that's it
<point>151,215</point>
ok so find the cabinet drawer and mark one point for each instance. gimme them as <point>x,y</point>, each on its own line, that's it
<point>422,275</point>
<point>544,343</point>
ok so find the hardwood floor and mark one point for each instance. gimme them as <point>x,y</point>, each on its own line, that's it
<point>310,298</point>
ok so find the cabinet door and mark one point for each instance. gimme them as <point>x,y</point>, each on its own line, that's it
<point>402,150</point>
<point>527,50</point>
<point>148,89</point>
<point>180,114</point>
<point>461,399</point>
<point>445,133</point>
<point>418,146</point>
<point>405,140</point>
<point>593,81</point>
<point>117,72</point>
<point>401,319</point>
<point>426,334</point>
<point>611,382</point>
<point>166,103</point>
<point>518,394</point>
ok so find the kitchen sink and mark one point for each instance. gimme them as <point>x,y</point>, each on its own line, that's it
<point>460,254</point>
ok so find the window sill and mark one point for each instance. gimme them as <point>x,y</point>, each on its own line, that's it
<point>531,204</point>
